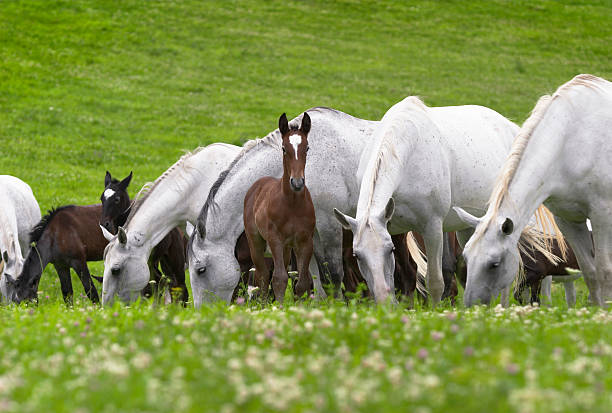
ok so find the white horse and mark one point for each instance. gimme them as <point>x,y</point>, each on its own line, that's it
<point>174,198</point>
<point>420,162</point>
<point>337,141</point>
<point>18,215</point>
<point>560,157</point>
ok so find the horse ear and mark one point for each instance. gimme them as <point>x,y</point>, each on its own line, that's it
<point>9,280</point>
<point>467,218</point>
<point>107,179</point>
<point>283,124</point>
<point>305,128</point>
<point>507,227</point>
<point>347,222</point>
<point>122,236</point>
<point>126,181</point>
<point>109,237</point>
<point>201,229</point>
<point>389,210</point>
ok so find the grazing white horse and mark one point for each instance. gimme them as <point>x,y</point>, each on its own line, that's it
<point>420,162</point>
<point>336,143</point>
<point>560,157</point>
<point>174,198</point>
<point>18,215</point>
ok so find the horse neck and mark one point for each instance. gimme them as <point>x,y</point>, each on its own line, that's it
<point>538,172</point>
<point>166,207</point>
<point>224,218</point>
<point>383,170</point>
<point>38,257</point>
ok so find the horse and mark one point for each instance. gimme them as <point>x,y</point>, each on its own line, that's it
<point>19,213</point>
<point>537,267</point>
<point>337,141</point>
<point>169,253</point>
<point>67,238</point>
<point>420,162</point>
<point>559,157</point>
<point>280,213</point>
<point>173,199</point>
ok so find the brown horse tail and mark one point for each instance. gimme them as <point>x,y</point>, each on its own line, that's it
<point>420,260</point>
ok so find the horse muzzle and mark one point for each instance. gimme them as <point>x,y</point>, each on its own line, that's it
<point>297,184</point>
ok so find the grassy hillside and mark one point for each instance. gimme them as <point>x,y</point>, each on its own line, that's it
<point>87,86</point>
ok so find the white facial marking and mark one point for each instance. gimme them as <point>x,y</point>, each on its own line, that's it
<point>295,140</point>
<point>108,193</point>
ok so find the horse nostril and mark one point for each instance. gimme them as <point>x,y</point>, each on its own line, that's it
<point>115,270</point>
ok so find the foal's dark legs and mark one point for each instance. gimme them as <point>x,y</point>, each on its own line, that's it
<point>257,246</point>
<point>176,271</point>
<point>280,278</point>
<point>82,271</point>
<point>303,253</point>
<point>63,272</point>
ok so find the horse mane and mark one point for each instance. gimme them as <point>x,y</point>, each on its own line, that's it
<point>44,222</point>
<point>149,187</point>
<point>271,139</point>
<point>386,150</point>
<point>500,190</point>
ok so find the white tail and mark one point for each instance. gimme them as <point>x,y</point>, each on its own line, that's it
<point>421,261</point>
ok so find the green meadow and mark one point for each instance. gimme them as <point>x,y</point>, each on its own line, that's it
<point>90,86</point>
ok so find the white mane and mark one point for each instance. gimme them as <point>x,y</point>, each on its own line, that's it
<point>178,170</point>
<point>386,139</point>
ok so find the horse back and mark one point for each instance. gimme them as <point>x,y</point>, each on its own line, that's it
<point>76,233</point>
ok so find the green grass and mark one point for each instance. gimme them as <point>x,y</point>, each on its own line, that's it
<point>87,86</point>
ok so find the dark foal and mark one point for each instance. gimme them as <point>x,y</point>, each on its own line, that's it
<point>280,211</point>
<point>67,237</point>
<point>169,253</point>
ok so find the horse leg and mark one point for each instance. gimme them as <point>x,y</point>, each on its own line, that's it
<point>602,238</point>
<point>257,248</point>
<point>304,254</point>
<point>405,275</point>
<point>328,250</point>
<point>505,297</point>
<point>578,237</point>
<point>545,290</point>
<point>280,277</point>
<point>174,269</point>
<point>448,266</point>
<point>570,293</point>
<point>433,237</point>
<point>63,272</point>
<point>82,271</point>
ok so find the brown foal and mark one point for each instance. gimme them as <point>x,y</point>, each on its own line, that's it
<point>280,211</point>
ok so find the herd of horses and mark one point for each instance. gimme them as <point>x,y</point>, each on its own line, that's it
<point>415,202</point>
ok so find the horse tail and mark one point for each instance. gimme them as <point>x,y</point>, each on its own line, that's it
<point>421,261</point>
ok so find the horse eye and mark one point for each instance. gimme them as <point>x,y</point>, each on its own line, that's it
<point>201,270</point>
<point>494,265</point>
<point>115,270</point>
<point>117,200</point>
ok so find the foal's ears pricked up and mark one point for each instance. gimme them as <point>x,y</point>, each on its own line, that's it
<point>283,124</point>
<point>107,179</point>
<point>305,128</point>
<point>126,181</point>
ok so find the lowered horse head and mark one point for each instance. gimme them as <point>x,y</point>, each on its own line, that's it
<point>373,248</point>
<point>115,202</point>
<point>120,259</point>
<point>11,266</point>
<point>295,146</point>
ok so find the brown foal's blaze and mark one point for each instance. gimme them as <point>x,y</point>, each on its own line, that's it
<point>295,147</point>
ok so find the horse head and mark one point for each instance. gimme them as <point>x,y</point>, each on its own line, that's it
<point>115,202</point>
